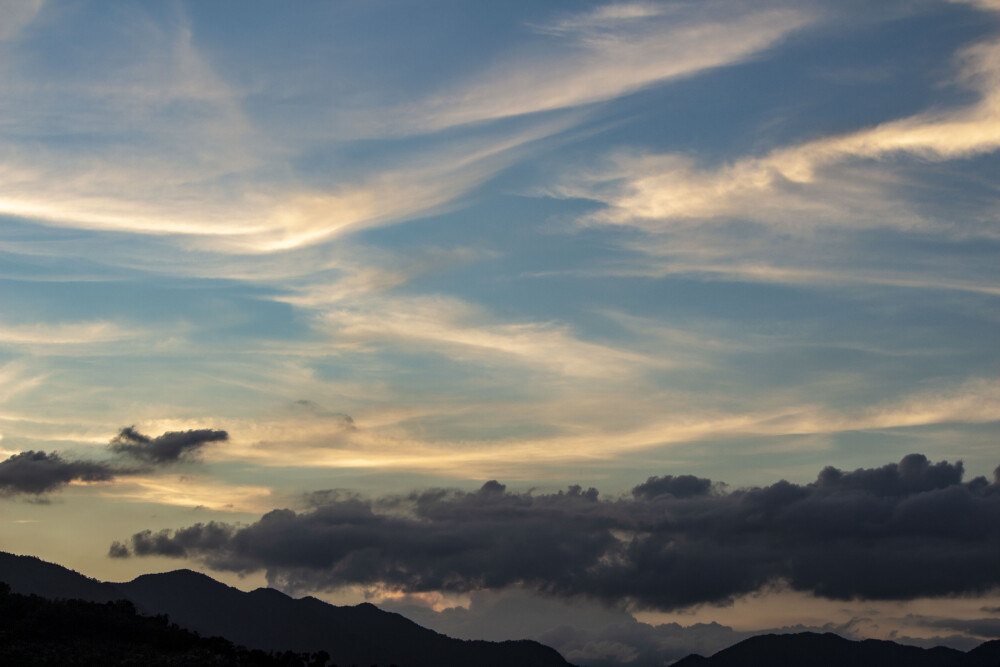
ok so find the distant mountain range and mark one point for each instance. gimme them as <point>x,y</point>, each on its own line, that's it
<point>810,649</point>
<point>270,620</point>
<point>365,635</point>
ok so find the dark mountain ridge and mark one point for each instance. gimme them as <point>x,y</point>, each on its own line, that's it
<point>39,632</point>
<point>270,620</point>
<point>829,650</point>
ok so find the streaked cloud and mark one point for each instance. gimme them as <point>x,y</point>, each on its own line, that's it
<point>190,491</point>
<point>790,186</point>
<point>610,51</point>
<point>389,440</point>
<point>15,15</point>
<point>809,197</point>
<point>458,330</point>
<point>15,378</point>
<point>77,333</point>
<point>256,218</point>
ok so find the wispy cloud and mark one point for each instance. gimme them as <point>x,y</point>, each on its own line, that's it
<point>762,270</point>
<point>430,183</point>
<point>584,429</point>
<point>15,377</point>
<point>460,331</point>
<point>175,154</point>
<point>15,15</point>
<point>76,333</point>
<point>607,52</point>
<point>730,220</point>
<point>248,215</point>
<point>188,490</point>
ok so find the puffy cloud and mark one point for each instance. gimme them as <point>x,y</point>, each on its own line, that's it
<point>681,486</point>
<point>118,550</point>
<point>37,473</point>
<point>167,448</point>
<point>40,472</point>
<point>904,530</point>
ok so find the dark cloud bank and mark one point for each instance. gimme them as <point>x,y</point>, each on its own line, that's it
<point>37,473</point>
<point>897,532</point>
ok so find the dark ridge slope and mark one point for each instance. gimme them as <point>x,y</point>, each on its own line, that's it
<point>364,634</point>
<point>270,620</point>
<point>32,576</point>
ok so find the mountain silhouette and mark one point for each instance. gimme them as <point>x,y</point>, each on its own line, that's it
<point>810,649</point>
<point>32,576</point>
<point>38,632</point>
<point>269,620</point>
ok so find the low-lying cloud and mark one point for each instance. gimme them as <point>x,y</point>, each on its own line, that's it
<point>897,532</point>
<point>37,473</point>
<point>987,628</point>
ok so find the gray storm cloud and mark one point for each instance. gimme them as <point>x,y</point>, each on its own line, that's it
<point>900,531</point>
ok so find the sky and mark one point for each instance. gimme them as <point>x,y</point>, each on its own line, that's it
<point>634,327</point>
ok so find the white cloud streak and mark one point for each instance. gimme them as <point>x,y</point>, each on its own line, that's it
<point>818,183</point>
<point>459,331</point>
<point>168,199</point>
<point>76,333</point>
<point>398,444</point>
<point>195,491</point>
<point>610,51</point>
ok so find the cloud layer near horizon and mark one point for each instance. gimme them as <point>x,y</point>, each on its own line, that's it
<point>896,532</point>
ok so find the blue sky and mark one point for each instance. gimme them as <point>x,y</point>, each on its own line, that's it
<point>398,245</point>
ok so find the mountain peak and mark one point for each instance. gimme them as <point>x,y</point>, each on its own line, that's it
<point>829,650</point>
<point>182,575</point>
